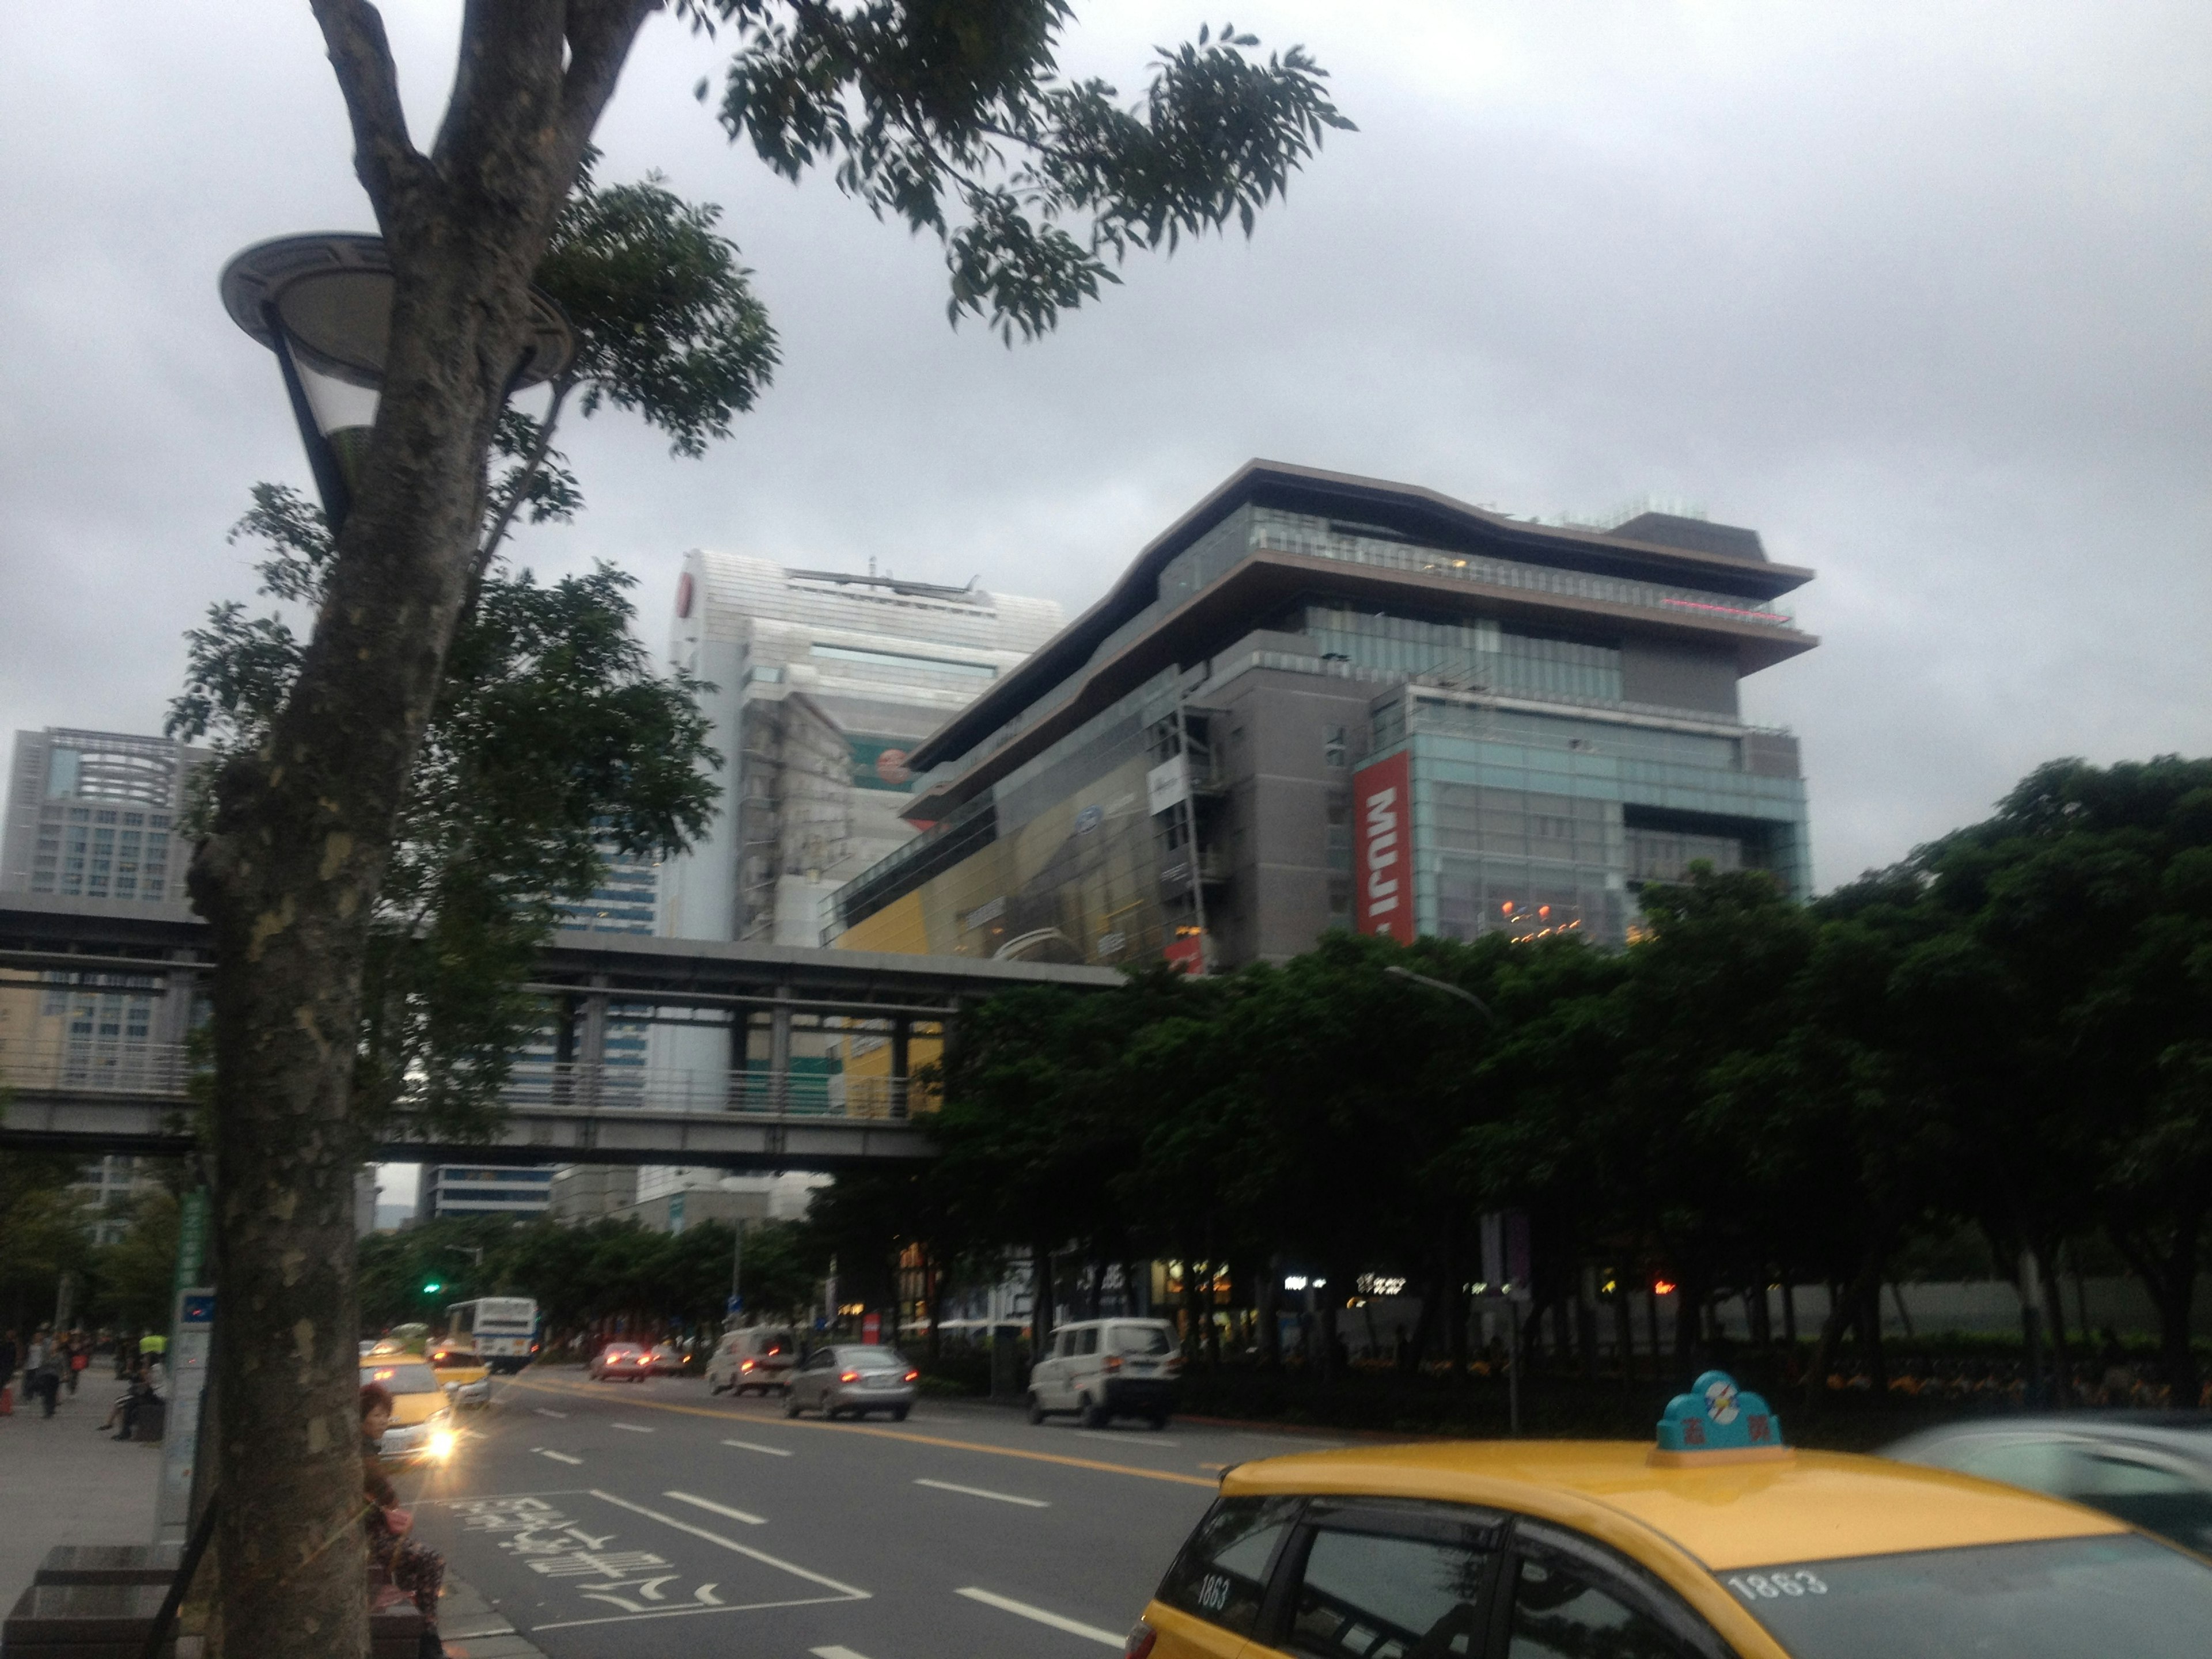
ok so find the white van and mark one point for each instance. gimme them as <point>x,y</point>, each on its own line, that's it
<point>1102,1368</point>
<point>758,1357</point>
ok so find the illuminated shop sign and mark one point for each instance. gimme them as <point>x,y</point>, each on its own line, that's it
<point>1383,848</point>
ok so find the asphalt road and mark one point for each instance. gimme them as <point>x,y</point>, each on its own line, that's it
<point>650,1519</point>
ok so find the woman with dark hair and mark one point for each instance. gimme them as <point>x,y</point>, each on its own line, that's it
<point>415,1568</point>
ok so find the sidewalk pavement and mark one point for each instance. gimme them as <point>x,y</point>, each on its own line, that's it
<point>61,1483</point>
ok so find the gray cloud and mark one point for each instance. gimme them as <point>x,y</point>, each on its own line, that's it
<point>1916,291</point>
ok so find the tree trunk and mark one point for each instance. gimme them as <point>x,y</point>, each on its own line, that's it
<point>1270,1301</point>
<point>288,878</point>
<point>1041,1302</point>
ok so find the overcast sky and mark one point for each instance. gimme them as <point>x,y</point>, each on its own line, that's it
<point>1919,290</point>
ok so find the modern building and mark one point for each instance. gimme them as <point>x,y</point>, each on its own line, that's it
<point>1318,701</point>
<point>483,1189</point>
<point>583,1193</point>
<point>823,682</point>
<point>94,815</point>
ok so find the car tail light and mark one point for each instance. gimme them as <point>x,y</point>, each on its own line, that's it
<point>747,1366</point>
<point>848,1376</point>
<point>914,1377</point>
<point>1113,1362</point>
<point>1142,1635</point>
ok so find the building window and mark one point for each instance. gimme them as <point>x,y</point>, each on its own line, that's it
<point>1339,832</point>
<point>1335,750</point>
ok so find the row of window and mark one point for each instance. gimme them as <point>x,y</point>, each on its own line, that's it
<point>105,815</point>
<point>1375,1578</point>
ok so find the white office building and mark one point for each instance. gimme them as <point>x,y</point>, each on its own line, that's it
<point>823,681</point>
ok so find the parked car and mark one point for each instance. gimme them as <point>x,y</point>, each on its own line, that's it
<point>758,1357</point>
<point>856,1379</point>
<point>2157,1476</point>
<point>1102,1368</point>
<point>620,1362</point>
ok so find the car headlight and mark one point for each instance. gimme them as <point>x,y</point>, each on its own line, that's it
<point>442,1442</point>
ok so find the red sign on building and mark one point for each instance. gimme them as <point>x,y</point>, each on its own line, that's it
<point>1383,848</point>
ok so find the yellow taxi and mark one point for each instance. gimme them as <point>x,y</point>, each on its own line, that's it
<point>422,1429</point>
<point>461,1371</point>
<point>1716,1542</point>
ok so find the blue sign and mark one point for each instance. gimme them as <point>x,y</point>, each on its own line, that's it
<point>198,1309</point>
<point>736,1305</point>
<point>1717,1416</point>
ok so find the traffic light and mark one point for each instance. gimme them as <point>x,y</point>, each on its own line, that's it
<point>433,1287</point>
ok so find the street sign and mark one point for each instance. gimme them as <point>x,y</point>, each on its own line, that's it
<point>736,1305</point>
<point>188,1367</point>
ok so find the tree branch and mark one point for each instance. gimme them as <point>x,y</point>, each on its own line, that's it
<point>505,518</point>
<point>599,36</point>
<point>361,56</point>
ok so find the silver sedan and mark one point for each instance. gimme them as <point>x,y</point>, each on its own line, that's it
<point>854,1379</point>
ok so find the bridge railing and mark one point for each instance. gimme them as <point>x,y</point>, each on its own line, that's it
<point>94,1065</point>
<point>124,1067</point>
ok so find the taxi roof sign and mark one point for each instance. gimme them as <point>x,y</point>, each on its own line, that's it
<point>1717,1422</point>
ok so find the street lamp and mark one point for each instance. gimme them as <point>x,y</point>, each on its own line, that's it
<point>323,304</point>
<point>1467,997</point>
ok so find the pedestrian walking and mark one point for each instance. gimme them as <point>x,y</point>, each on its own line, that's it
<point>415,1568</point>
<point>41,1370</point>
<point>80,1356</point>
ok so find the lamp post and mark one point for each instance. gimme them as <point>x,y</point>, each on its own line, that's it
<point>323,304</point>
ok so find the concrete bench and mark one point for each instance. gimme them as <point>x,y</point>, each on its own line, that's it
<point>83,1621</point>
<point>108,1617</point>
<point>110,1564</point>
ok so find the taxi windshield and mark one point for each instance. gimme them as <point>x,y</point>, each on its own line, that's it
<point>402,1379</point>
<point>2057,1600</point>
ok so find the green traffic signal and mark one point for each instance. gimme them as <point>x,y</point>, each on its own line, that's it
<point>433,1288</point>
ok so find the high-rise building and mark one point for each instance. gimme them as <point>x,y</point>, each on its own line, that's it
<point>484,1190</point>
<point>1320,701</point>
<point>92,816</point>
<point>823,681</point>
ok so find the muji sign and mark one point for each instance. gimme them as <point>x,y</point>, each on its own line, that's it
<point>1383,848</point>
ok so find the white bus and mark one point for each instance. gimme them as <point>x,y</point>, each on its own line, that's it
<point>503,1328</point>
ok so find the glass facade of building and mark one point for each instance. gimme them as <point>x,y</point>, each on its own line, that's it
<point>1183,760</point>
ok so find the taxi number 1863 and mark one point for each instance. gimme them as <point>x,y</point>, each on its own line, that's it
<point>1756,1587</point>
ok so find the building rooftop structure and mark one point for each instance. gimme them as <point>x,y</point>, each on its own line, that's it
<point>1553,675</point>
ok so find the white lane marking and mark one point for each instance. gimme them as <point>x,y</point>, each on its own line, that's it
<point>718,1509</point>
<point>978,1492</point>
<point>558,1457</point>
<point>835,1653</point>
<point>747,1445</point>
<point>692,1612</point>
<point>543,1411</point>
<point>631,1428</point>
<point>1073,1627</point>
<point>847,1590</point>
<point>1126,1440</point>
